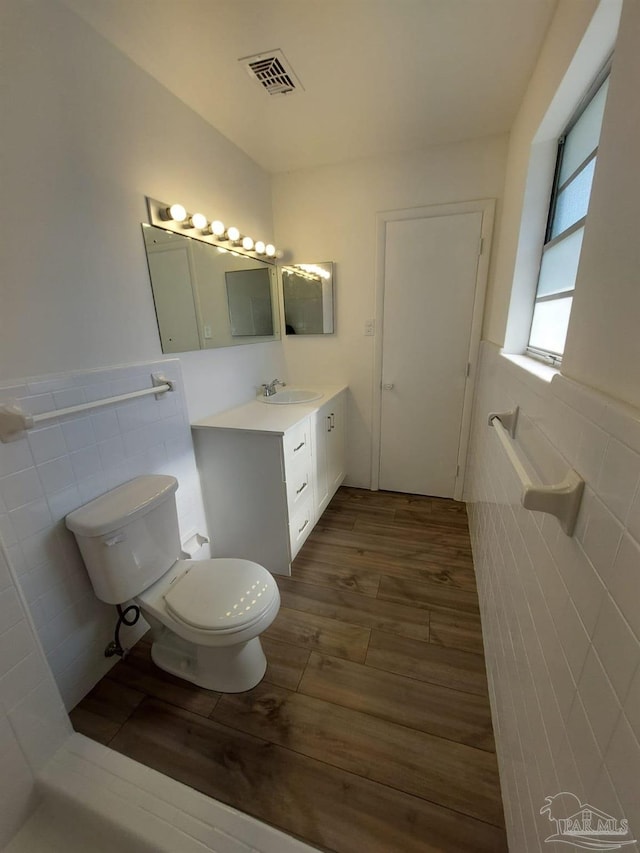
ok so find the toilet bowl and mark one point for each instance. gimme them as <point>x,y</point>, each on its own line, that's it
<point>205,615</point>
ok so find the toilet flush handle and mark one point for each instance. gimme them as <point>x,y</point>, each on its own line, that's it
<point>113,540</point>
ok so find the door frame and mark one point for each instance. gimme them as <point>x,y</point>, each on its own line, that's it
<point>486,206</point>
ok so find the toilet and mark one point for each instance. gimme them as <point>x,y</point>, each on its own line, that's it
<point>205,615</point>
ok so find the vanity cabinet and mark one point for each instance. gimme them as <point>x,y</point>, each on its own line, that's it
<point>267,473</point>
<point>329,442</point>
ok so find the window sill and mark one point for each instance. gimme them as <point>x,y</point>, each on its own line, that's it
<point>532,365</point>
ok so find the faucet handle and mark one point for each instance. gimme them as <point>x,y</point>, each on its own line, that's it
<point>269,389</point>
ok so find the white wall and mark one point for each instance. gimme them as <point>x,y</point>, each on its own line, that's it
<point>560,622</point>
<point>516,261</point>
<point>86,136</point>
<point>60,465</point>
<point>329,214</point>
<point>560,618</point>
<point>33,721</point>
<point>603,344</point>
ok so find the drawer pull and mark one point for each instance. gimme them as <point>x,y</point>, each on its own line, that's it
<point>300,529</point>
<point>328,423</point>
<point>302,487</point>
<point>333,420</point>
<point>299,447</point>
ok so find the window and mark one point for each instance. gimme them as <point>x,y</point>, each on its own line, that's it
<point>575,167</point>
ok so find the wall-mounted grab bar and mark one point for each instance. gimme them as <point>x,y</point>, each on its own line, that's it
<point>14,420</point>
<point>561,499</point>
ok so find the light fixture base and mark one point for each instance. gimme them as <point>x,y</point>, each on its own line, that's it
<point>159,216</point>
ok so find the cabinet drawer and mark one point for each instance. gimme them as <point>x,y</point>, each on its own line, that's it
<point>299,483</point>
<point>300,525</point>
<point>297,442</point>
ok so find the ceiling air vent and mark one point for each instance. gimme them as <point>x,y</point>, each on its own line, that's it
<point>272,71</point>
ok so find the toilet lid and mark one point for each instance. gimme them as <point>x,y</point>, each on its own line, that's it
<point>221,595</point>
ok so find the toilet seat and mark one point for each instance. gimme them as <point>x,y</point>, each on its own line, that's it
<point>221,595</point>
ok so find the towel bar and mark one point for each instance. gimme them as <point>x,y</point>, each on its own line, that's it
<point>14,421</point>
<point>560,499</point>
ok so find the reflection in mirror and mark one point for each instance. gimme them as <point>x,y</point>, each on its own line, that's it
<point>249,299</point>
<point>308,298</point>
<point>190,281</point>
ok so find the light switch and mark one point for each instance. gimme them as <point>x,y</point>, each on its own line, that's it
<point>207,332</point>
<point>369,327</point>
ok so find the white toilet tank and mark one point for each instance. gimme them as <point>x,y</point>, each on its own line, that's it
<point>128,537</point>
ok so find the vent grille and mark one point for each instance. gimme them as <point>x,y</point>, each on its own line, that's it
<point>272,72</point>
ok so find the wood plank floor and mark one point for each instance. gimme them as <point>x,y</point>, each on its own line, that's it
<point>371,730</point>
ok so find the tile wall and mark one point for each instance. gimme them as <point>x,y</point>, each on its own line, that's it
<point>560,615</point>
<point>33,721</point>
<point>61,465</point>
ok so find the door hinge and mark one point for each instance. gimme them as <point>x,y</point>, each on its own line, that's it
<point>468,368</point>
<point>457,470</point>
<point>481,246</point>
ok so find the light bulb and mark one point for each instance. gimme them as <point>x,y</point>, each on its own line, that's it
<point>233,234</point>
<point>217,228</point>
<point>177,212</point>
<point>270,250</point>
<point>199,220</point>
<point>247,243</point>
<point>260,247</point>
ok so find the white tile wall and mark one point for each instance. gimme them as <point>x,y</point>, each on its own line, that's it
<point>33,721</point>
<point>64,463</point>
<point>560,615</point>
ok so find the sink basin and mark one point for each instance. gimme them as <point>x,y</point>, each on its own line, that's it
<point>291,395</point>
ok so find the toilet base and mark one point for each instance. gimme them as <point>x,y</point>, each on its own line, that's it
<point>226,669</point>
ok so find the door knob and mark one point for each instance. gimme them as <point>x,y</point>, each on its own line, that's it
<point>388,386</point>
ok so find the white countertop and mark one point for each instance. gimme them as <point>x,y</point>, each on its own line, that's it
<point>268,417</point>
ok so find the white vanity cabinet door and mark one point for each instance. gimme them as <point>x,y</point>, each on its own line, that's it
<point>336,468</point>
<point>329,446</point>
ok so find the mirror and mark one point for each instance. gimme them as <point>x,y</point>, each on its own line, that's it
<point>206,296</point>
<point>308,298</point>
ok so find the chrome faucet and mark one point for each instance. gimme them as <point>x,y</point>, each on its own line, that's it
<point>269,389</point>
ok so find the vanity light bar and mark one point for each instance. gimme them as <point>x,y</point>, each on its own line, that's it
<point>175,217</point>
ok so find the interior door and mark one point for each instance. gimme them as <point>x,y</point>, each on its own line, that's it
<point>430,273</point>
<point>172,278</point>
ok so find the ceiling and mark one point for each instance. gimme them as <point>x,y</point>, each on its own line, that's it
<point>379,76</point>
